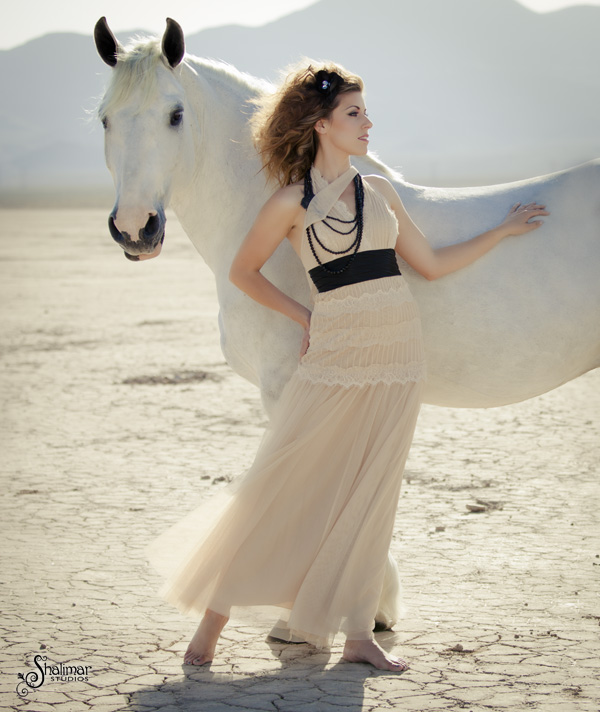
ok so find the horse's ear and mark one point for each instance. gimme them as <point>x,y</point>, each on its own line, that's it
<point>106,43</point>
<point>173,44</point>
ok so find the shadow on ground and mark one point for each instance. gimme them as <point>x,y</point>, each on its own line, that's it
<point>301,684</point>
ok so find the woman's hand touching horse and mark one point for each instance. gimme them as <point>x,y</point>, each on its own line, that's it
<point>517,222</point>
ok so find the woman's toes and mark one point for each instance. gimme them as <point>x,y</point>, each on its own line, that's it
<point>195,659</point>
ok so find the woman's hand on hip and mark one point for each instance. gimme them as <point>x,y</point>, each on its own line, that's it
<point>305,339</point>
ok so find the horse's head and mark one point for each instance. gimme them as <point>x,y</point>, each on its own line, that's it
<point>148,144</point>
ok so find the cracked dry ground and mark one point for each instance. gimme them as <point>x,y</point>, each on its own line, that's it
<point>119,415</point>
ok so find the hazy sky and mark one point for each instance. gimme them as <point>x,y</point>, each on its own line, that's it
<point>33,18</point>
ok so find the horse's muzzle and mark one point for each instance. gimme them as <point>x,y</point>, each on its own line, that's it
<point>149,237</point>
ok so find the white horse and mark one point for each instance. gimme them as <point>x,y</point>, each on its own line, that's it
<point>519,322</point>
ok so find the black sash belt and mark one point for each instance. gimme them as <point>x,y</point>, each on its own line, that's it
<point>366,265</point>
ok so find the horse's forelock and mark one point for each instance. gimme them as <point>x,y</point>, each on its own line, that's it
<point>135,71</point>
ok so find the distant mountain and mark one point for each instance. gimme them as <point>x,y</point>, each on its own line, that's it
<point>460,91</point>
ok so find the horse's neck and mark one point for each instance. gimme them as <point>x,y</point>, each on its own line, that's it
<point>227,181</point>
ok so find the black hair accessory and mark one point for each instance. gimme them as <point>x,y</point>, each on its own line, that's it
<point>328,83</point>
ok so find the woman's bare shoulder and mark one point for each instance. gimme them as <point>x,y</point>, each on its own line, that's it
<point>382,185</point>
<point>282,211</point>
<point>387,191</point>
<point>288,197</point>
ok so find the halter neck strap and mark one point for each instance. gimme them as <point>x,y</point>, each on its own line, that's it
<point>327,197</point>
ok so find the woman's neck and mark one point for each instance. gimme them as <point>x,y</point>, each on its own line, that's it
<point>331,167</point>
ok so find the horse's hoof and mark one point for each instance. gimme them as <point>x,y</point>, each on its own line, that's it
<point>380,626</point>
<point>273,639</point>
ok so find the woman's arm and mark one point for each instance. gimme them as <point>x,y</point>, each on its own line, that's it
<point>273,223</point>
<point>413,247</point>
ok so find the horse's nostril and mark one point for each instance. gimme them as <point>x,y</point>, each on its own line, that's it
<point>114,231</point>
<point>152,226</point>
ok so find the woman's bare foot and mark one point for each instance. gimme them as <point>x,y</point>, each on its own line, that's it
<point>201,649</point>
<point>368,651</point>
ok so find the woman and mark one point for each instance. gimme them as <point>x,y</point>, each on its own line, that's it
<point>308,528</point>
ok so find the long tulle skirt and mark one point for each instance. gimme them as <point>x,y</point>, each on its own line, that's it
<point>307,528</point>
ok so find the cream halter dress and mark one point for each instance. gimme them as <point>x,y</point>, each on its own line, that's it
<point>308,527</point>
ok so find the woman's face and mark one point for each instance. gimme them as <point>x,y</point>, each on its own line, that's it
<point>347,128</point>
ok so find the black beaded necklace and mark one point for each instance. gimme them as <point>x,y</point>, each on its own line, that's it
<point>356,223</point>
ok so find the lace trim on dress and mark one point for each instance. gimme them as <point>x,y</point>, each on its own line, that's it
<point>364,375</point>
<point>364,336</point>
<point>367,301</point>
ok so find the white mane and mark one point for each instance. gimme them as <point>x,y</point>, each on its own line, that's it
<point>136,70</point>
<point>223,73</point>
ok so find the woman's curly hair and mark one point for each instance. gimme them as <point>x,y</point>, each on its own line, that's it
<point>284,124</point>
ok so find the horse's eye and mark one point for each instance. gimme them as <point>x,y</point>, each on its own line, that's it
<point>176,117</point>
<point>104,122</point>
